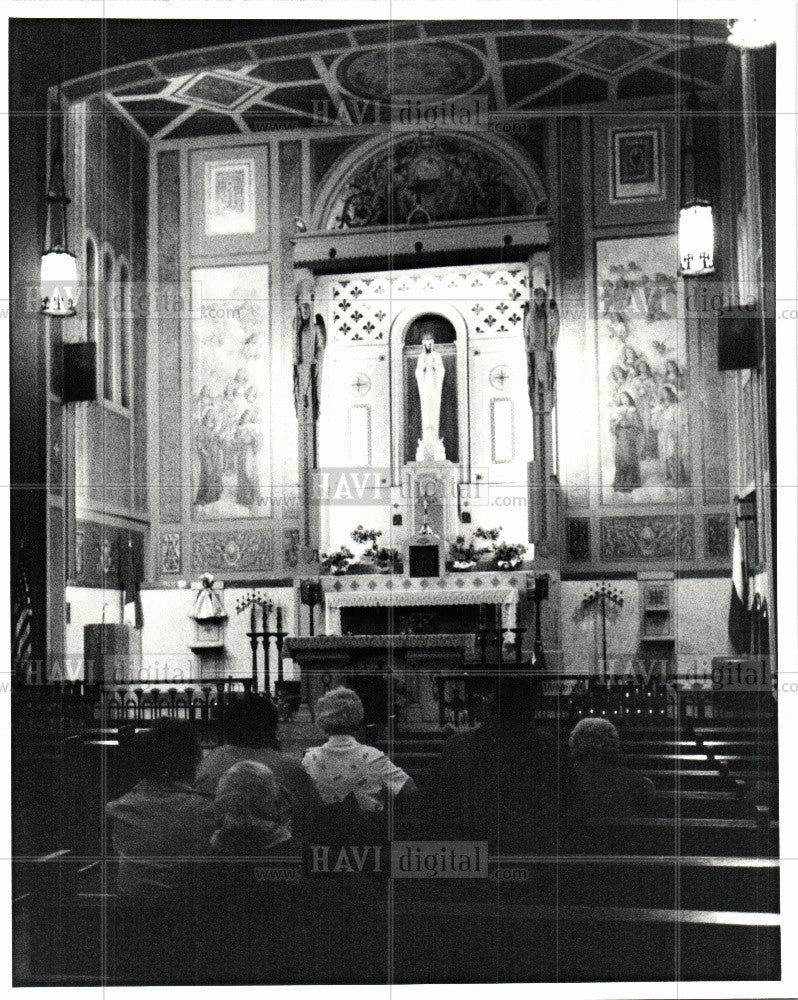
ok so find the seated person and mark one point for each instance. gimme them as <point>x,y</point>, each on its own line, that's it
<point>357,778</point>
<point>250,727</point>
<point>253,813</point>
<point>162,821</point>
<point>606,788</point>
<point>505,782</point>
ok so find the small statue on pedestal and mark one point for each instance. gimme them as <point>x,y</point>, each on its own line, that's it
<point>207,604</point>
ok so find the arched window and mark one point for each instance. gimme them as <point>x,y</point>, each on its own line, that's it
<point>430,326</point>
<point>124,335</point>
<point>107,320</point>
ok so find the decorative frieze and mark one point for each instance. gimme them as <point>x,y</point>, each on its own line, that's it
<point>579,539</point>
<point>656,536</point>
<point>169,451</point>
<point>232,550</point>
<point>170,552</point>
<point>717,536</point>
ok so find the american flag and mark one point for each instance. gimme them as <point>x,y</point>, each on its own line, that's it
<point>129,585</point>
<point>22,618</point>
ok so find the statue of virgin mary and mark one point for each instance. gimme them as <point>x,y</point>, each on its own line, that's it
<point>429,379</point>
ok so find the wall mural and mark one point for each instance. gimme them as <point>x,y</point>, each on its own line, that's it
<point>440,69</point>
<point>431,178</point>
<point>230,445</point>
<point>642,370</point>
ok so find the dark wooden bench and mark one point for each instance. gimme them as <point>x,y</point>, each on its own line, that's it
<point>683,836</point>
<point>576,918</point>
<point>502,941</point>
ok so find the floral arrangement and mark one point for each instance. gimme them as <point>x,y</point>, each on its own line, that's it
<point>371,554</point>
<point>338,561</point>
<point>466,556</point>
<point>504,554</point>
<point>508,555</point>
<point>385,558</point>
<point>362,536</point>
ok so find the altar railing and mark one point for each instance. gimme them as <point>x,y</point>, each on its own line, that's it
<point>462,696</point>
<point>72,707</point>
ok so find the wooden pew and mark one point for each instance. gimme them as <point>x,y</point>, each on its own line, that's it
<point>685,836</point>
<point>572,918</point>
<point>521,942</point>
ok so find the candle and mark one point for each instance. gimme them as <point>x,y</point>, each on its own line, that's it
<point>265,617</point>
<point>279,619</point>
<point>252,617</point>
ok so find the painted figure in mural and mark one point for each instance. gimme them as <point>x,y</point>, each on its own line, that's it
<point>673,440</point>
<point>674,376</point>
<point>209,448</point>
<point>629,361</point>
<point>230,412</point>
<point>620,383</point>
<point>627,429</point>
<point>644,390</point>
<point>202,403</point>
<point>429,379</point>
<point>248,443</point>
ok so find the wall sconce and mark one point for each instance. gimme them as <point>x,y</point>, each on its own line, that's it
<point>696,222</point>
<point>59,274</point>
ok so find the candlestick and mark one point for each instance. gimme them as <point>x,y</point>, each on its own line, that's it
<point>279,619</point>
<point>252,621</point>
<point>265,617</point>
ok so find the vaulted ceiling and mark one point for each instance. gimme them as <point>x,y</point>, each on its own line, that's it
<point>362,73</point>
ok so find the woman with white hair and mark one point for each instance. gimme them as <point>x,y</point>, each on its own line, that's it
<point>344,767</point>
<point>607,788</point>
<point>253,813</point>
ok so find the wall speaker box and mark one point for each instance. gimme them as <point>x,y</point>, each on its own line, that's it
<point>739,340</point>
<point>80,373</point>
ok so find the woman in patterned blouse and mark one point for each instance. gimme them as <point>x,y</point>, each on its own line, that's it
<point>343,767</point>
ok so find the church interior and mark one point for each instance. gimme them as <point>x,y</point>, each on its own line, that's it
<point>423,359</point>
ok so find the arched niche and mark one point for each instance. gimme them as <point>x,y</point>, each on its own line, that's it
<point>435,177</point>
<point>407,331</point>
<point>442,332</point>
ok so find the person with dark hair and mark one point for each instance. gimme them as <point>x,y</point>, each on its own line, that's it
<point>162,822</point>
<point>505,782</point>
<point>251,728</point>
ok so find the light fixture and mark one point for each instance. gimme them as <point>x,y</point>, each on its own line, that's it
<point>752,32</point>
<point>59,275</point>
<point>696,223</point>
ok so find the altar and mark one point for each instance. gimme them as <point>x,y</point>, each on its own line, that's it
<point>394,675</point>
<point>391,638</point>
